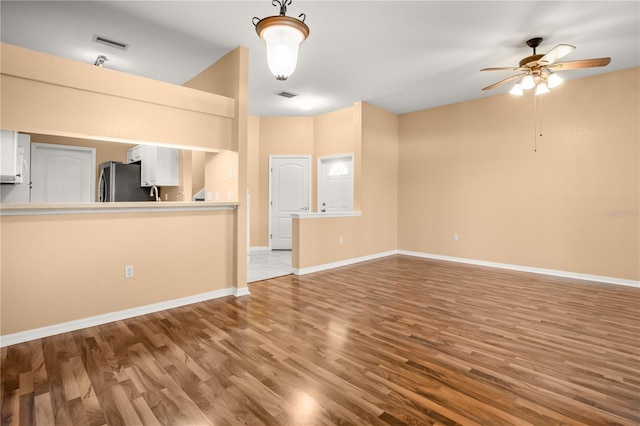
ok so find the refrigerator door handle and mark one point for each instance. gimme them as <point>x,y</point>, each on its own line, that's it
<point>101,187</point>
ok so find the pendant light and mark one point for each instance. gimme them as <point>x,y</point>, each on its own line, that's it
<point>282,35</point>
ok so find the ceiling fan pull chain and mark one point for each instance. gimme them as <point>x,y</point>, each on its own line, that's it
<point>540,112</point>
<point>535,125</point>
<point>537,119</point>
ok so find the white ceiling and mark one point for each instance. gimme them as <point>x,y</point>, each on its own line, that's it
<point>399,55</point>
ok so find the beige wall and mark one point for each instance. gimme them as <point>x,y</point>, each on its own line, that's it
<point>471,169</point>
<point>279,136</point>
<point>67,267</point>
<point>229,76</point>
<point>374,141</point>
<point>218,168</point>
<point>333,133</point>
<point>46,94</point>
<point>378,186</point>
<point>327,134</point>
<point>316,241</point>
<point>253,178</point>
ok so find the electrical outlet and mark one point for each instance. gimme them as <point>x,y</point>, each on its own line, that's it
<point>209,196</point>
<point>456,237</point>
<point>228,195</point>
<point>217,196</point>
<point>340,239</point>
<point>230,173</point>
<point>128,271</point>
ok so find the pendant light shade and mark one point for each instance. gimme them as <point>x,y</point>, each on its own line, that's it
<point>282,35</point>
<point>542,88</point>
<point>527,82</point>
<point>554,80</point>
<point>516,90</point>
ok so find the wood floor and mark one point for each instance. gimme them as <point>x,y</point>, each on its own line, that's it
<point>394,341</point>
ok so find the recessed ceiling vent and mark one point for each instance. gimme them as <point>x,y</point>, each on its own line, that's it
<point>110,43</point>
<point>287,95</point>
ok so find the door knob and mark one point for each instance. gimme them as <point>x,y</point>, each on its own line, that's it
<point>304,208</point>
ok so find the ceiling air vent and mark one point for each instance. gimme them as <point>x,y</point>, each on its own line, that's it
<point>287,94</point>
<point>110,43</point>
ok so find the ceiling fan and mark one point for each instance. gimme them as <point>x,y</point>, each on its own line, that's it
<point>539,70</point>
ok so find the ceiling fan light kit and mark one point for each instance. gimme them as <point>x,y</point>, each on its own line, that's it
<point>538,70</point>
<point>282,35</point>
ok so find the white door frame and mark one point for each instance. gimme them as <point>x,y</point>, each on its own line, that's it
<point>270,204</point>
<point>348,156</point>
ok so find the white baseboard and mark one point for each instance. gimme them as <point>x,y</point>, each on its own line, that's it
<point>338,264</point>
<point>38,333</point>
<point>242,291</point>
<point>553,272</point>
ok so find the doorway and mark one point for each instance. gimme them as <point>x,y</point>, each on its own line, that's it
<point>62,173</point>
<point>335,183</point>
<point>289,192</point>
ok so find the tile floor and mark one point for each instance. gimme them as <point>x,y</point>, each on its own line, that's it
<point>264,264</point>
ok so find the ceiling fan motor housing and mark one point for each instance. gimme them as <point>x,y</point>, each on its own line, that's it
<point>530,60</point>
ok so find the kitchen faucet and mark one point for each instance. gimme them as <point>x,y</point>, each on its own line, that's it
<point>154,188</point>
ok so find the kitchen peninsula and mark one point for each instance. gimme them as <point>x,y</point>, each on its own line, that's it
<point>64,265</point>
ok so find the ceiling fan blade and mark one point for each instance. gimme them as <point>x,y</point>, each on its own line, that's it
<point>584,63</point>
<point>556,53</point>
<point>499,69</point>
<point>502,82</point>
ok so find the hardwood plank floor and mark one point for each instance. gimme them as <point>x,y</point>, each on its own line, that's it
<point>396,341</point>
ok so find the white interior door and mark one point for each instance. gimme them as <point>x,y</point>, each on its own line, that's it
<point>335,183</point>
<point>62,174</point>
<point>290,193</point>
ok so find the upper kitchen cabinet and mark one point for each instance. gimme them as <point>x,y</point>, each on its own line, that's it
<point>12,158</point>
<point>47,94</point>
<point>160,166</point>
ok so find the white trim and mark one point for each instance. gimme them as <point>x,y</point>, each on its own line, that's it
<point>242,291</point>
<point>543,271</point>
<point>316,215</point>
<point>38,333</point>
<point>259,248</point>
<point>340,263</point>
<point>530,269</point>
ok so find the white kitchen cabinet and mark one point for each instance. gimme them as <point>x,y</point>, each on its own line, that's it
<point>134,154</point>
<point>159,165</point>
<point>11,160</point>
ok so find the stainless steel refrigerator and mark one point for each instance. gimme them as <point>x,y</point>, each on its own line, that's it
<point>121,182</point>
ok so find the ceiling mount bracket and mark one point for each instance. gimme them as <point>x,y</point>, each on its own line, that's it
<point>534,42</point>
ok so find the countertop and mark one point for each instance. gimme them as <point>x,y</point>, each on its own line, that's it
<point>18,209</point>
